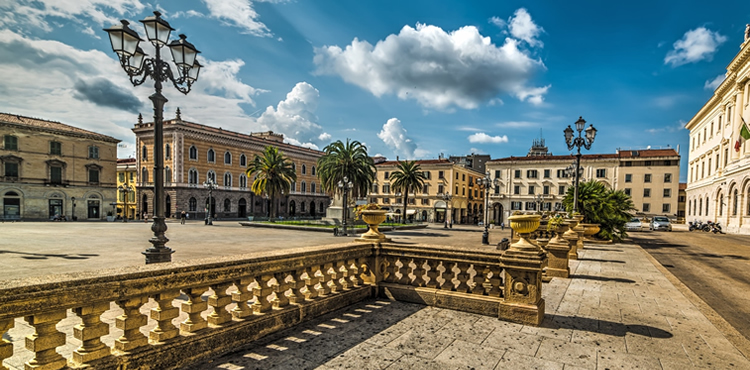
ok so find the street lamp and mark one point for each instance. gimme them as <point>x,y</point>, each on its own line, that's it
<point>487,183</point>
<point>578,142</point>
<point>139,67</point>
<point>399,199</point>
<point>538,200</point>
<point>73,212</point>
<point>126,192</point>
<point>447,197</point>
<point>210,184</point>
<point>345,185</point>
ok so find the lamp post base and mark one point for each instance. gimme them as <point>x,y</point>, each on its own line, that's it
<point>486,235</point>
<point>159,252</point>
<point>158,255</point>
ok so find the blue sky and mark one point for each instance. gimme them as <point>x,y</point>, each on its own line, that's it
<point>408,78</point>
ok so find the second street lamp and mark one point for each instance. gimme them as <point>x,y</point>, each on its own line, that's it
<point>345,185</point>
<point>487,183</point>
<point>578,142</point>
<point>447,197</point>
<point>210,184</point>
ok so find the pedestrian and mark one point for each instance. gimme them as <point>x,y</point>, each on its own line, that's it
<point>145,217</point>
<point>182,218</point>
<point>502,226</point>
<point>451,223</point>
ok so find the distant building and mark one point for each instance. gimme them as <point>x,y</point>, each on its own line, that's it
<point>681,201</point>
<point>718,187</point>
<point>126,178</point>
<point>50,169</point>
<point>472,161</point>
<point>194,152</point>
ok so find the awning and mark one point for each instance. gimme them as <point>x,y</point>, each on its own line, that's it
<point>410,211</point>
<point>440,204</point>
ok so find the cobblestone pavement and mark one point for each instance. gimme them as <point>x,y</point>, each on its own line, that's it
<point>715,267</point>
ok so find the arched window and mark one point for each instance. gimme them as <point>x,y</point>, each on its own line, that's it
<point>193,153</point>
<point>167,174</point>
<point>167,151</point>
<point>211,156</point>
<point>706,206</point>
<point>193,176</point>
<point>144,175</point>
<point>312,187</point>
<point>227,158</point>
<point>688,207</point>
<point>700,207</point>
<point>304,187</point>
<point>293,187</point>
<point>321,207</point>
<point>735,201</point>
<point>243,181</point>
<point>721,205</point>
<point>313,170</point>
<point>211,175</point>
<point>304,169</point>
<point>144,153</point>
<point>227,205</point>
<point>243,160</point>
<point>227,179</point>
<point>192,205</point>
<point>294,167</point>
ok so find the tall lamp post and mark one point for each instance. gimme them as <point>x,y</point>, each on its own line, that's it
<point>345,186</point>
<point>210,184</point>
<point>139,67</point>
<point>578,142</point>
<point>73,211</point>
<point>447,197</point>
<point>487,183</point>
<point>538,200</point>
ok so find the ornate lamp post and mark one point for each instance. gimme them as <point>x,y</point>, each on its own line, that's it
<point>487,183</point>
<point>447,197</point>
<point>125,189</point>
<point>345,186</point>
<point>210,184</point>
<point>139,67</point>
<point>578,142</point>
<point>538,200</point>
<point>73,212</point>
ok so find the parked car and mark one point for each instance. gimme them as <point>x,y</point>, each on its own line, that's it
<point>634,225</point>
<point>660,223</point>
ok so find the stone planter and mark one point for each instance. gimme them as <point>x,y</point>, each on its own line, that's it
<point>524,225</point>
<point>373,218</point>
<point>110,218</point>
<point>590,230</point>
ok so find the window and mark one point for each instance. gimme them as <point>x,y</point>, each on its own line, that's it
<point>463,177</point>
<point>167,174</point>
<point>386,200</point>
<point>304,169</point>
<point>517,174</point>
<point>441,175</point>
<point>192,205</point>
<point>456,175</point>
<point>193,176</point>
<point>313,171</point>
<point>602,172</point>
<point>55,148</point>
<point>227,179</point>
<point>144,174</point>
<point>144,153</point>
<point>293,187</point>
<point>425,202</point>
<point>667,193</point>
<point>121,177</point>
<point>193,153</point>
<point>227,158</point>
<point>545,190</point>
<point>516,189</point>
<point>561,174</point>
<point>531,189</point>
<point>243,160</point>
<point>647,163</point>
<point>386,174</point>
<point>11,142</point>
<point>706,206</point>
<point>11,170</point>
<point>312,187</point>
<point>211,156</point>
<point>167,152</point>
<point>441,189</point>
<point>303,189</point>
<point>546,174</point>
<point>627,191</point>
<point>93,176</point>
<point>94,152</point>
<point>712,128</point>
<point>243,181</point>
<point>531,206</point>
<point>515,206</point>
<point>647,177</point>
<point>700,207</point>
<point>667,177</point>
<point>561,190</point>
<point>735,201</point>
<point>211,175</point>
<point>665,207</point>
<point>387,189</point>
<point>532,174</point>
<point>646,193</point>
<point>497,174</point>
<point>646,207</point>
<point>426,175</point>
<point>425,189</point>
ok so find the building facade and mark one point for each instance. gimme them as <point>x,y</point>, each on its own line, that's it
<point>194,153</point>
<point>126,188</point>
<point>429,204</point>
<point>539,182</point>
<point>718,187</point>
<point>51,170</point>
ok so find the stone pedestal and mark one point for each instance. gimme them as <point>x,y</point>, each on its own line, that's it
<point>558,250</point>
<point>572,238</point>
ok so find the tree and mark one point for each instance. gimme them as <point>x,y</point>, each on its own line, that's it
<point>611,209</point>
<point>348,160</point>
<point>408,176</point>
<point>274,174</point>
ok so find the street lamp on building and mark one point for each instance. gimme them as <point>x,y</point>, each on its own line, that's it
<point>578,142</point>
<point>447,197</point>
<point>487,184</point>
<point>139,67</point>
<point>210,184</point>
<point>345,186</point>
<point>125,190</point>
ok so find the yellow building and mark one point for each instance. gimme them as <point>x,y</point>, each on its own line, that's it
<point>126,190</point>
<point>466,203</point>
<point>51,170</point>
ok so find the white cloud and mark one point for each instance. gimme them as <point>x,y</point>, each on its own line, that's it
<point>516,124</point>
<point>436,68</point>
<point>713,84</point>
<point>482,138</point>
<point>680,125</point>
<point>694,46</point>
<point>295,117</point>
<point>216,77</point>
<point>188,14</point>
<point>36,13</point>
<point>238,13</point>
<point>523,27</point>
<point>324,137</point>
<point>394,136</point>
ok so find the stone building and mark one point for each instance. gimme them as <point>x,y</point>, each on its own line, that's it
<point>718,187</point>
<point>52,169</point>
<point>126,179</point>
<point>540,182</point>
<point>466,205</point>
<point>194,152</point>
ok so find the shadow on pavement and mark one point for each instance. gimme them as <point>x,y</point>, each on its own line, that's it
<point>602,278</point>
<point>598,260</point>
<point>603,249</point>
<point>44,256</point>
<point>602,326</point>
<point>658,243</point>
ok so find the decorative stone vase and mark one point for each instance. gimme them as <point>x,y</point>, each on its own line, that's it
<point>373,218</point>
<point>524,225</point>
<point>589,230</point>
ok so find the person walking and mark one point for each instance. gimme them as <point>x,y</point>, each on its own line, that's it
<point>182,218</point>
<point>502,226</point>
<point>145,217</point>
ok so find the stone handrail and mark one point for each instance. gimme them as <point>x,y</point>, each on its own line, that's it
<point>225,302</point>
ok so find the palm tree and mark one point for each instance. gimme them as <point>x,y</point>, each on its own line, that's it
<point>611,209</point>
<point>408,176</point>
<point>348,160</point>
<point>274,174</point>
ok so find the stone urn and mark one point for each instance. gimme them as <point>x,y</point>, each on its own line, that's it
<point>524,225</point>
<point>373,218</point>
<point>589,230</point>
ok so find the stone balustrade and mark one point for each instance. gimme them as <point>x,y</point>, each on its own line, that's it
<point>170,315</point>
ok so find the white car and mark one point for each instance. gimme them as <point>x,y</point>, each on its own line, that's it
<point>634,225</point>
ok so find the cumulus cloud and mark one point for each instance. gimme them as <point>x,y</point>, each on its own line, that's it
<point>394,136</point>
<point>238,13</point>
<point>694,46</point>
<point>295,117</point>
<point>39,13</point>
<point>438,69</point>
<point>523,27</point>
<point>103,92</point>
<point>221,77</point>
<point>713,84</point>
<point>482,138</point>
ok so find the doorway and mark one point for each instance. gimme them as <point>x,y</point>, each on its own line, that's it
<point>55,208</point>
<point>242,208</point>
<point>93,209</point>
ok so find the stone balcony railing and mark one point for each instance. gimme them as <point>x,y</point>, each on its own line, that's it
<point>226,302</point>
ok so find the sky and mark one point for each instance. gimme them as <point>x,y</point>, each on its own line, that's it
<point>413,79</point>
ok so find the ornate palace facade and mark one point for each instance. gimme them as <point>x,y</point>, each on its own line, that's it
<point>194,153</point>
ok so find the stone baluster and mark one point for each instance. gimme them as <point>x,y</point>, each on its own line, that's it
<point>163,315</point>
<point>296,284</point>
<point>355,272</point>
<point>194,306</point>
<point>496,281</point>
<point>418,272</point>
<point>404,270</point>
<point>344,268</point>
<point>390,269</point>
<point>280,288</point>
<point>89,332</point>
<point>45,340</point>
<point>448,276</point>
<point>463,277</point>
<point>130,322</point>
<point>311,292</point>
<point>241,296</point>
<point>324,278</point>
<point>479,279</point>
<point>432,274</point>
<point>335,274</point>
<point>6,346</point>
<point>218,302</point>
<point>262,293</point>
